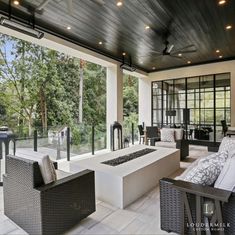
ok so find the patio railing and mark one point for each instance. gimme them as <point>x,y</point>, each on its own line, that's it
<point>66,142</point>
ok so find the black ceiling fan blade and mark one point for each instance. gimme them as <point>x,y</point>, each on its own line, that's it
<point>184,52</point>
<point>152,52</point>
<point>159,56</point>
<point>184,48</point>
<point>156,52</point>
<point>177,57</point>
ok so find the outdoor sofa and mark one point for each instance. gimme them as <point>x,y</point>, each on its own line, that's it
<point>184,201</point>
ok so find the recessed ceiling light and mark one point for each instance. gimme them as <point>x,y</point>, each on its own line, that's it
<point>68,27</point>
<point>153,68</point>
<point>119,3</point>
<point>147,27</point>
<point>217,51</point>
<point>179,54</point>
<point>16,2</point>
<point>100,43</point>
<point>220,56</point>
<point>222,2</point>
<point>228,27</point>
<point>189,62</point>
<point>124,53</point>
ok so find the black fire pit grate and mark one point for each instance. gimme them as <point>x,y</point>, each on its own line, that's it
<point>128,157</point>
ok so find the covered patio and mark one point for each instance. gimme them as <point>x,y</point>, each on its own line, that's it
<point>183,55</point>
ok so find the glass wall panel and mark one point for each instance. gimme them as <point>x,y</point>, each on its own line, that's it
<point>199,109</point>
<point>222,94</point>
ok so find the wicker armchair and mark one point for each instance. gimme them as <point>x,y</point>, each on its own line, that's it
<point>181,205</point>
<point>45,209</point>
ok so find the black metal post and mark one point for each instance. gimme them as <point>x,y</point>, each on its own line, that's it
<point>1,155</point>
<point>35,141</point>
<point>58,147</point>
<point>132,133</point>
<point>14,147</point>
<point>68,144</point>
<point>93,140</point>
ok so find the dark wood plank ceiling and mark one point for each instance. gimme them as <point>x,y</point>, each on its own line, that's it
<point>122,29</point>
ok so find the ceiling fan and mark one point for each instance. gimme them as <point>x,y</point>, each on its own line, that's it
<point>169,48</point>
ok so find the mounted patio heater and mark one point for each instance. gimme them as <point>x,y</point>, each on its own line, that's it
<point>127,66</point>
<point>21,28</point>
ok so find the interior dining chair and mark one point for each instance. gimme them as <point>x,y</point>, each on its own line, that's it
<point>141,133</point>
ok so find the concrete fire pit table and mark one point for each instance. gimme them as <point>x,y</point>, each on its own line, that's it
<point>121,184</point>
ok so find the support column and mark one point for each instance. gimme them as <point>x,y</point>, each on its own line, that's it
<point>114,98</point>
<point>145,101</point>
<point>232,98</point>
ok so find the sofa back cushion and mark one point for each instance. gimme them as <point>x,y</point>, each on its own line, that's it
<point>227,144</point>
<point>218,158</point>
<point>226,179</point>
<point>208,169</point>
<point>45,164</point>
<point>168,135</point>
<point>204,174</point>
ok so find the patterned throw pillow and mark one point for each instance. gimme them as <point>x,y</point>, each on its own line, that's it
<point>204,174</point>
<point>227,144</point>
<point>231,153</point>
<point>215,158</point>
<point>167,135</point>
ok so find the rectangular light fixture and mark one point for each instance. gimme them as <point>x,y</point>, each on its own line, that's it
<point>21,28</point>
<point>127,67</point>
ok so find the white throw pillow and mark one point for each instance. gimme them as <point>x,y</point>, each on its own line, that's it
<point>204,174</point>
<point>226,179</point>
<point>215,158</point>
<point>179,133</point>
<point>45,164</point>
<point>227,144</point>
<point>167,135</point>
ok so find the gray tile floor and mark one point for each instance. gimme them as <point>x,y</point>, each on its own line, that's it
<point>141,217</point>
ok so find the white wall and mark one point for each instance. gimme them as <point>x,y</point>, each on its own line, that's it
<point>212,68</point>
<point>114,101</point>
<point>145,101</point>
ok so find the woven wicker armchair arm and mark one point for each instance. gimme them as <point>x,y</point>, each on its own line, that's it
<point>63,181</point>
<point>204,191</point>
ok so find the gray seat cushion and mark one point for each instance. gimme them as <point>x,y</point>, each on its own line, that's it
<point>62,174</point>
<point>165,144</point>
